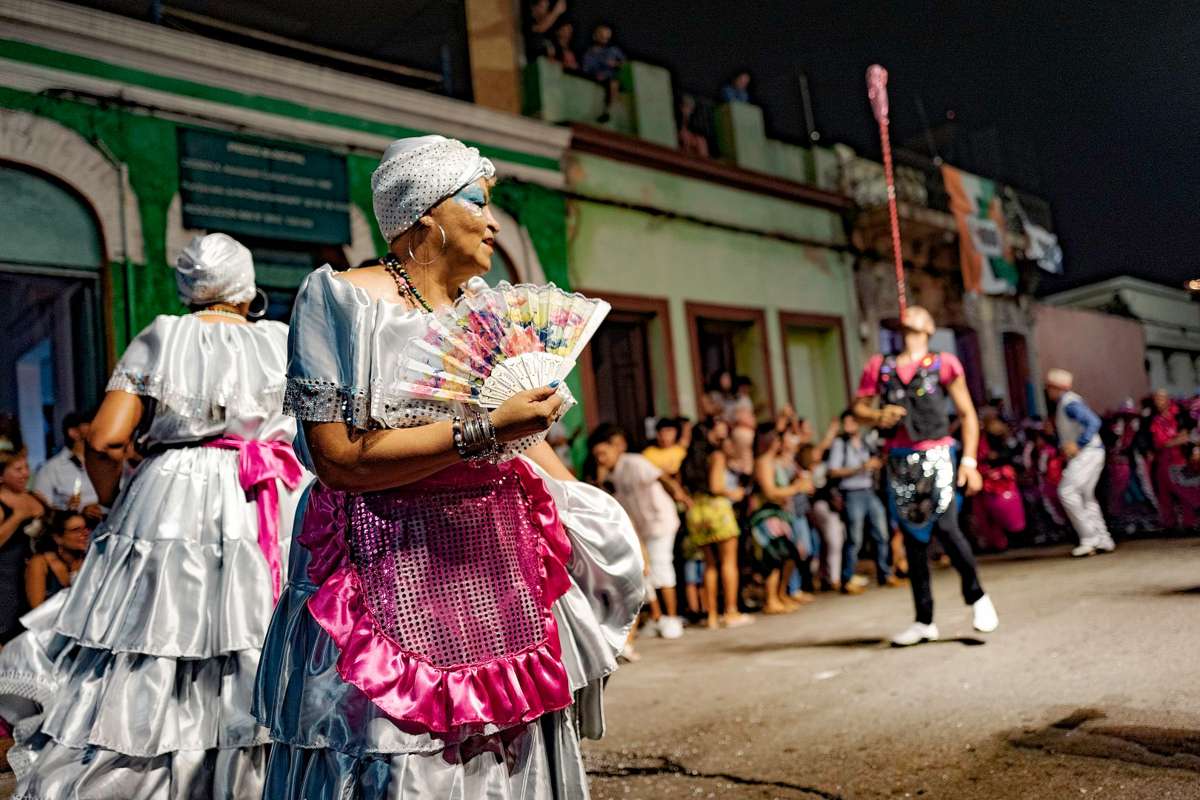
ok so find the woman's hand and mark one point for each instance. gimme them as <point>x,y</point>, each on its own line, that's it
<point>969,479</point>
<point>890,416</point>
<point>526,413</point>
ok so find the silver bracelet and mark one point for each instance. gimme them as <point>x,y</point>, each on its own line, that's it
<point>475,437</point>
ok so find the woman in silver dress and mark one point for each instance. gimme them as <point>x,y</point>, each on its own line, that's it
<point>136,682</point>
<point>447,627</point>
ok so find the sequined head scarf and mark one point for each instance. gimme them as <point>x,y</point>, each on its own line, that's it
<point>215,269</point>
<point>417,173</point>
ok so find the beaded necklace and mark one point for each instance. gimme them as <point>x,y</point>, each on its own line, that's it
<point>404,281</point>
<point>217,311</point>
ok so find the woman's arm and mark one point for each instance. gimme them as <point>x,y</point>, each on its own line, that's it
<point>764,476</point>
<point>352,460</point>
<point>12,523</point>
<point>968,476</point>
<point>544,456</point>
<point>35,580</point>
<point>111,432</point>
<point>716,479</point>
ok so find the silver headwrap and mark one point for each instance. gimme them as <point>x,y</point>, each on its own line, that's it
<point>416,174</point>
<point>215,269</point>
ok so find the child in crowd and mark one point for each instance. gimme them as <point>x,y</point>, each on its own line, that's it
<point>648,495</point>
<point>670,445</point>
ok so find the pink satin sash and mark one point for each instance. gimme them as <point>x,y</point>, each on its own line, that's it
<point>260,464</point>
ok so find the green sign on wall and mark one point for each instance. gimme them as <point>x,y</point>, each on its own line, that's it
<point>274,190</point>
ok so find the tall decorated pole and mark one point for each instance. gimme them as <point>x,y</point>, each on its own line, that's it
<point>877,93</point>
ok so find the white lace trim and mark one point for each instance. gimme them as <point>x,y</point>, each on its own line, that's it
<point>229,402</point>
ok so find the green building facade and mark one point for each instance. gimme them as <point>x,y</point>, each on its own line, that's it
<point>96,112</point>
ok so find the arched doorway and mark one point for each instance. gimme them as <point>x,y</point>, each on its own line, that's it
<point>51,256</point>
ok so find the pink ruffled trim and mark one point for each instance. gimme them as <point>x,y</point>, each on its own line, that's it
<point>518,688</point>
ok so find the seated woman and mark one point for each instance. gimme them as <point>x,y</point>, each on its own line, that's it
<point>59,556</point>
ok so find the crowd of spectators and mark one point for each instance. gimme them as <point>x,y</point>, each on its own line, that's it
<point>550,33</point>
<point>45,520</point>
<point>762,516</point>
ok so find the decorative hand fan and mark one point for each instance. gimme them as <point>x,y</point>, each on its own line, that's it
<point>496,342</point>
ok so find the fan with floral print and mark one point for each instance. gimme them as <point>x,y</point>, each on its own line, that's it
<point>495,342</point>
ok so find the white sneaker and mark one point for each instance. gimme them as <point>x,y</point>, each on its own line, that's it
<point>650,627</point>
<point>1107,547</point>
<point>1083,551</point>
<point>670,627</point>
<point>915,634</point>
<point>986,620</point>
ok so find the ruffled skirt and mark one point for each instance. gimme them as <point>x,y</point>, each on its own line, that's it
<point>136,683</point>
<point>332,740</point>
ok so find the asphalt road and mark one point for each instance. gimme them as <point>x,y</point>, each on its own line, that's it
<point>1088,689</point>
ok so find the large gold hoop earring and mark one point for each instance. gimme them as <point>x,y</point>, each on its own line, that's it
<point>412,258</point>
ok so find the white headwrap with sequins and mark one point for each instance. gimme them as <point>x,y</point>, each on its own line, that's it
<point>215,269</point>
<point>417,173</point>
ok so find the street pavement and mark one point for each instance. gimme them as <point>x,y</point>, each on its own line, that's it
<point>1089,689</point>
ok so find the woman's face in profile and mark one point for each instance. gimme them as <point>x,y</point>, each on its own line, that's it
<point>470,229</point>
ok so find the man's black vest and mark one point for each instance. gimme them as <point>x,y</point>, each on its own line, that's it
<point>922,397</point>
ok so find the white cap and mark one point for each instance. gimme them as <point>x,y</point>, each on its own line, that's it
<point>1060,378</point>
<point>215,269</point>
<point>417,173</point>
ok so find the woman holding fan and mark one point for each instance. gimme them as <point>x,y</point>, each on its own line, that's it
<point>455,598</point>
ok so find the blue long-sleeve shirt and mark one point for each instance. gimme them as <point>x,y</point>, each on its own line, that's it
<point>1087,419</point>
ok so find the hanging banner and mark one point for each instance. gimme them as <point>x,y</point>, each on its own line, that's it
<point>1041,246</point>
<point>273,190</point>
<point>987,261</point>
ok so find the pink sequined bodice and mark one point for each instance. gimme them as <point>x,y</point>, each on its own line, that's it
<point>450,567</point>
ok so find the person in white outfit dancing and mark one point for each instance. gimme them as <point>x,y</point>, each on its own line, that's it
<point>1079,440</point>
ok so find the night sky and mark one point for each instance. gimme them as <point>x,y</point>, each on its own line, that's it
<point>1093,105</point>
<point>1102,104</point>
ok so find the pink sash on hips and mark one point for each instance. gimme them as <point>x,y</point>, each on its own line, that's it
<point>260,464</point>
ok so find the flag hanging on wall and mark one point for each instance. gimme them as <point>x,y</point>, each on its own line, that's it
<point>987,260</point>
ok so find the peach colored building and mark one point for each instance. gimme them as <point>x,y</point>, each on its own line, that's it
<point>1107,354</point>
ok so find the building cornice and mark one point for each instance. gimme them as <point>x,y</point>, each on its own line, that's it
<point>155,51</point>
<point>601,142</point>
<point>1106,288</point>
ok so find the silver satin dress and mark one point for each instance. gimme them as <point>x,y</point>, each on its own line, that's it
<point>331,740</point>
<point>136,682</point>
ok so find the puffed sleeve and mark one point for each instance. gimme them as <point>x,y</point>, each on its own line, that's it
<point>328,352</point>
<point>142,368</point>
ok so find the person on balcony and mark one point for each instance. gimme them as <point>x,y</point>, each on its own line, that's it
<point>561,49</point>
<point>921,476</point>
<point>543,16</point>
<point>738,89</point>
<point>691,142</point>
<point>602,63</point>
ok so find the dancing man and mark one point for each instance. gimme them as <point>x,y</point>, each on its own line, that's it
<point>912,388</point>
<point>1078,430</point>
